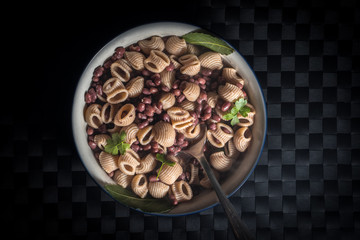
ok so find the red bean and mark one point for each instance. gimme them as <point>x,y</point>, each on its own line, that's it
<point>87,97</point>
<point>143,124</point>
<point>149,83</point>
<point>134,48</point>
<point>166,117</point>
<point>225,106</point>
<point>194,115</point>
<point>146,91</point>
<point>159,150</point>
<point>176,84</point>
<point>92,145</point>
<point>239,85</point>
<point>154,150</point>
<point>93,95</point>
<point>98,72</point>
<point>180,98</point>
<point>184,144</point>
<point>157,82</point>
<point>147,147</point>
<point>203,87</point>
<point>141,116</point>
<point>206,116</point>
<point>146,100</point>
<point>171,149</point>
<point>212,126</point>
<point>149,113</point>
<point>135,147</point>
<point>216,117</point>
<point>207,109</point>
<point>120,50</point>
<point>107,63</point>
<point>154,90</point>
<point>198,109</point>
<point>154,145</point>
<point>165,88</point>
<point>156,76</point>
<point>141,107</point>
<point>95,79</point>
<point>206,72</point>
<point>176,92</point>
<point>89,130</point>
<point>170,67</point>
<point>97,154</point>
<point>182,176</point>
<point>99,90</point>
<point>111,174</point>
<point>201,81</point>
<point>150,119</point>
<point>180,136</point>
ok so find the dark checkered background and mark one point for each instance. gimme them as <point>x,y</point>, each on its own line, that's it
<point>306,55</point>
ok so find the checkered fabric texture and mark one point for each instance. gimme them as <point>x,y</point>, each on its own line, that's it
<point>306,55</point>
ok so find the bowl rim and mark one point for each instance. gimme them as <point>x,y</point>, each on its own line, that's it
<point>157,24</point>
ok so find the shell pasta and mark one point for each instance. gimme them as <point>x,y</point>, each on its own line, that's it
<point>148,101</point>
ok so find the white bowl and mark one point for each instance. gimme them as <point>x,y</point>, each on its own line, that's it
<point>243,167</point>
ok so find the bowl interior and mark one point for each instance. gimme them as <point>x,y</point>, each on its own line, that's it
<point>243,166</point>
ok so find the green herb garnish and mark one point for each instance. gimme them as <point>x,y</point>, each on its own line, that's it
<point>117,144</point>
<point>161,158</point>
<point>238,108</point>
<point>208,41</point>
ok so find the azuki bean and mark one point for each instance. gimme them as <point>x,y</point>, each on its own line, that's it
<point>147,147</point>
<point>98,72</point>
<point>87,97</point>
<point>89,130</point>
<point>180,98</point>
<point>206,72</point>
<point>150,119</point>
<point>143,124</point>
<point>206,116</point>
<point>157,81</point>
<point>141,116</point>
<point>170,67</point>
<point>141,107</point>
<point>120,50</point>
<point>135,147</point>
<point>225,106</point>
<point>99,90</point>
<point>154,90</point>
<point>184,144</point>
<point>165,88</point>
<point>92,145</point>
<point>153,178</point>
<point>146,91</point>
<point>176,92</point>
<point>225,130</point>
<point>150,83</point>
<point>166,117</point>
<point>201,81</point>
<point>216,117</point>
<point>145,73</point>
<point>207,109</point>
<point>212,126</point>
<point>146,100</point>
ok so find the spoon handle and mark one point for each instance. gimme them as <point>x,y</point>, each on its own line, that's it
<point>238,227</point>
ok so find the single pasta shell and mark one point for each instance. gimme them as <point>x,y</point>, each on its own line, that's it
<point>249,120</point>
<point>231,76</point>
<point>176,46</point>
<point>219,134</point>
<point>111,85</point>
<point>194,174</point>
<point>122,179</point>
<point>153,43</point>
<point>164,134</point>
<point>242,138</point>
<point>177,113</point>
<point>230,92</point>
<point>191,64</point>
<point>220,161</point>
<point>93,116</point>
<point>118,95</point>
<point>128,162</point>
<point>157,61</point>
<point>169,174</point>
<point>125,116</point>
<point>191,91</point>
<point>211,60</point>
<point>136,59</point>
<point>121,70</point>
<point>174,61</point>
<point>230,149</point>
<point>158,189</point>
<point>101,140</point>
<point>145,135</point>
<point>212,98</point>
<point>147,164</point>
<point>108,112</point>
<point>182,191</point>
<point>192,131</point>
<point>135,87</point>
<point>187,105</point>
<point>108,161</point>
<point>167,100</point>
<point>131,132</point>
<point>182,124</point>
<point>139,185</point>
<point>167,78</point>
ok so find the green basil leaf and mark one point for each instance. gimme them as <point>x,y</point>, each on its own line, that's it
<point>124,147</point>
<point>208,41</point>
<point>170,163</point>
<point>161,157</point>
<point>122,136</point>
<point>146,204</point>
<point>116,138</point>
<point>234,111</point>
<point>234,121</point>
<point>228,116</point>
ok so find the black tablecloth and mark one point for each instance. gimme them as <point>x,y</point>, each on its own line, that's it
<point>306,55</point>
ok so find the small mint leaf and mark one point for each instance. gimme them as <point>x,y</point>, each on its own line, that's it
<point>122,136</point>
<point>234,121</point>
<point>228,116</point>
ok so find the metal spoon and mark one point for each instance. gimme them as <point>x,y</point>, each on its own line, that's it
<point>239,228</point>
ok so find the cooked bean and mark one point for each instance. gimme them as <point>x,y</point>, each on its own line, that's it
<point>206,116</point>
<point>135,147</point>
<point>154,150</point>
<point>225,130</point>
<point>184,144</point>
<point>201,81</point>
<point>212,126</point>
<point>87,97</point>
<point>99,90</point>
<point>146,100</point>
<point>141,107</point>
<point>207,109</point>
<point>150,119</point>
<point>154,145</point>
<point>153,178</point>
<point>98,72</point>
<point>170,67</point>
<point>176,92</point>
<point>141,116</point>
<point>145,73</point>
<point>143,124</point>
<point>150,83</point>
<point>216,117</point>
<point>225,106</point>
<point>120,50</point>
<point>146,91</point>
<point>206,72</point>
<point>180,98</point>
<point>147,147</point>
<point>157,81</point>
<point>165,88</point>
<point>89,130</point>
<point>166,117</point>
<point>92,145</point>
<point>154,90</point>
